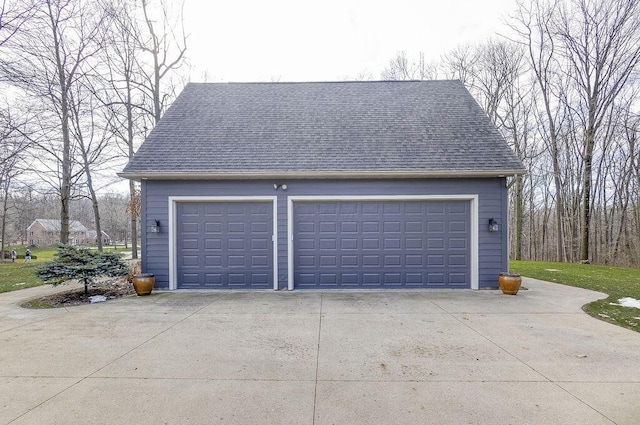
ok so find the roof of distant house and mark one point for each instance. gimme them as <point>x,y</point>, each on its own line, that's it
<point>52,225</point>
<point>324,129</point>
<point>94,233</point>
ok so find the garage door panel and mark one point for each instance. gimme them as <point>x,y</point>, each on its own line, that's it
<point>414,260</point>
<point>259,261</point>
<point>328,279</point>
<point>413,243</point>
<point>392,279</point>
<point>190,260</point>
<point>213,260</point>
<point>190,244</point>
<point>392,243</point>
<point>327,227</point>
<point>190,228</point>
<point>349,244</point>
<point>370,208</point>
<point>458,243</point>
<point>238,261</point>
<point>410,243</point>
<point>392,260</point>
<point>458,279</point>
<point>435,227</point>
<point>213,228</point>
<point>373,279</point>
<point>435,207</point>
<point>328,244</point>
<point>260,227</point>
<point>224,244</point>
<point>307,260</point>
<point>349,261</point>
<point>349,227</point>
<point>371,244</point>
<point>260,244</point>
<point>235,227</point>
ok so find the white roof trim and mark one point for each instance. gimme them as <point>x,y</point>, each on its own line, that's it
<point>319,174</point>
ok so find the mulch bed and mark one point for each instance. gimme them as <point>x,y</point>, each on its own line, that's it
<point>74,297</point>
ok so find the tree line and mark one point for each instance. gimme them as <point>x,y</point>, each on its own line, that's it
<point>82,81</point>
<point>561,83</point>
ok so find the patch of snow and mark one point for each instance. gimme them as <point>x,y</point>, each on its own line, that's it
<point>21,283</point>
<point>604,315</point>
<point>97,299</point>
<point>627,302</point>
<point>553,270</point>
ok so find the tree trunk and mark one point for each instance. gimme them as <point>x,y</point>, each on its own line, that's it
<point>65,187</point>
<point>96,209</point>
<point>134,224</point>
<point>5,208</point>
<point>586,196</point>
<point>132,185</point>
<point>518,218</point>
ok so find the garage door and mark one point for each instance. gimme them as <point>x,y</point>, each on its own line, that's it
<point>382,244</point>
<point>224,245</point>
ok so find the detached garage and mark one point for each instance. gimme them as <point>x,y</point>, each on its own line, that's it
<point>324,186</point>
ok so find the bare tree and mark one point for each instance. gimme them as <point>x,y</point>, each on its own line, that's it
<point>12,147</point>
<point>403,68</point>
<point>91,132</point>
<point>458,64</point>
<point>601,43</point>
<point>166,43</point>
<point>49,55</point>
<point>13,15</point>
<point>532,22</point>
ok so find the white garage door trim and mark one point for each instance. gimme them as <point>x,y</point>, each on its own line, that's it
<point>473,211</point>
<point>173,201</point>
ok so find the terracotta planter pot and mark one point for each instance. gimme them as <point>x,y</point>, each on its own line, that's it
<point>509,283</point>
<point>143,283</point>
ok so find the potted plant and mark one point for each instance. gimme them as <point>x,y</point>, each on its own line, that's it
<point>509,283</point>
<point>142,282</point>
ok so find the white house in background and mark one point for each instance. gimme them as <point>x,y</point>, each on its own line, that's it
<point>93,240</point>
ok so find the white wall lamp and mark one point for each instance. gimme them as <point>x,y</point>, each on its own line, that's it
<point>277,186</point>
<point>493,225</point>
<point>155,226</point>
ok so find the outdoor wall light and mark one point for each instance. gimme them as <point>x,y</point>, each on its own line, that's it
<point>155,226</point>
<point>493,225</point>
<point>277,186</point>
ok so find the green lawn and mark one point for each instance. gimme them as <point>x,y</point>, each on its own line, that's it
<point>617,282</point>
<point>20,275</point>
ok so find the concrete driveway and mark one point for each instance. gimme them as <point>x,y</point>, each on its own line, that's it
<point>419,357</point>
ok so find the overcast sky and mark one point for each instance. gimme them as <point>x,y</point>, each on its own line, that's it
<point>328,40</point>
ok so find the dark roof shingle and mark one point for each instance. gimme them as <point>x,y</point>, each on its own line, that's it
<point>386,128</point>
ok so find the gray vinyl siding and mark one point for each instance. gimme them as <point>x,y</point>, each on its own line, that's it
<point>491,192</point>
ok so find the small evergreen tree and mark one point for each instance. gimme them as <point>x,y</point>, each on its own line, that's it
<point>83,264</point>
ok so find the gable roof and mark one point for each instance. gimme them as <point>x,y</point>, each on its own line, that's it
<point>334,129</point>
<point>52,225</point>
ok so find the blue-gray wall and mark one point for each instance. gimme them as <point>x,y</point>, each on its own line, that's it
<point>492,203</point>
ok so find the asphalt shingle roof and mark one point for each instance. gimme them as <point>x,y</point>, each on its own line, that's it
<point>53,225</point>
<point>323,129</point>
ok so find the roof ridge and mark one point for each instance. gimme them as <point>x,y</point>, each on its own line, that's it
<point>320,82</point>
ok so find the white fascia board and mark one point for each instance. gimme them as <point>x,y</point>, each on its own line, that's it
<point>173,200</point>
<point>320,175</point>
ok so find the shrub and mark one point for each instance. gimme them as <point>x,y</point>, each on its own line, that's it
<point>83,264</point>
